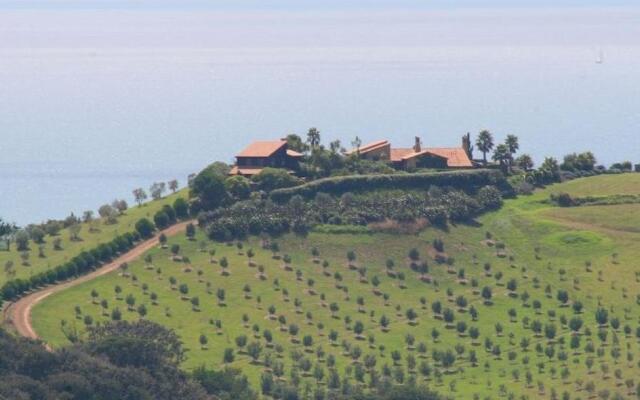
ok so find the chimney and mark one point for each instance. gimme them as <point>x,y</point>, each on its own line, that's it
<point>416,147</point>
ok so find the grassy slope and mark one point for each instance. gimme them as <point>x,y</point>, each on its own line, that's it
<point>602,185</point>
<point>90,240</point>
<point>566,238</point>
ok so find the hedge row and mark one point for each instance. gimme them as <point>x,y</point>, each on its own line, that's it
<point>79,265</point>
<point>467,180</point>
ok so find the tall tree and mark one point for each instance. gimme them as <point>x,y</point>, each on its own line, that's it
<point>525,162</point>
<point>157,189</point>
<point>549,170</point>
<point>356,143</point>
<point>484,142</point>
<point>502,156</point>
<point>512,145</point>
<point>6,228</point>
<point>313,137</point>
<point>173,185</point>
<point>335,147</point>
<point>295,143</point>
<point>140,195</point>
<point>208,187</point>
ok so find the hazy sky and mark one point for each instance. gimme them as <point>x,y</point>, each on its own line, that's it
<point>305,4</point>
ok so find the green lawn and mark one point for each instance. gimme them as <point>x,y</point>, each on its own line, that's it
<point>623,217</point>
<point>602,185</point>
<point>544,251</point>
<point>89,240</point>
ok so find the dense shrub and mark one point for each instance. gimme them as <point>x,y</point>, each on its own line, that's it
<point>30,371</point>
<point>227,384</point>
<point>469,180</point>
<point>181,208</point>
<point>562,199</point>
<point>524,188</point>
<point>274,178</point>
<point>437,206</point>
<point>489,198</point>
<point>171,214</point>
<point>238,187</point>
<point>145,228</point>
<point>161,219</point>
<point>208,188</point>
<point>579,162</point>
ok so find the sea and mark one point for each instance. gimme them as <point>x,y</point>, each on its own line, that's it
<point>97,98</point>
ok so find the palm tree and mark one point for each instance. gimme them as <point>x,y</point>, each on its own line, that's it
<point>313,137</point>
<point>356,143</point>
<point>501,155</point>
<point>484,143</point>
<point>525,162</point>
<point>512,143</point>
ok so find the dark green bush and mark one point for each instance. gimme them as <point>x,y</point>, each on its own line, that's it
<point>208,188</point>
<point>437,206</point>
<point>274,178</point>
<point>562,199</point>
<point>171,214</point>
<point>145,227</point>
<point>161,219</point>
<point>468,180</point>
<point>181,208</point>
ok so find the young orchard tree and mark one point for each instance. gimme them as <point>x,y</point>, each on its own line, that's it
<point>157,190</point>
<point>173,185</point>
<point>139,195</point>
<point>486,295</point>
<point>203,342</point>
<point>190,231</point>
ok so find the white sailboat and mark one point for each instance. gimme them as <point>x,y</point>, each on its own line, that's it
<point>600,57</point>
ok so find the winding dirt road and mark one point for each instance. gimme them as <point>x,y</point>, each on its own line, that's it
<point>18,314</point>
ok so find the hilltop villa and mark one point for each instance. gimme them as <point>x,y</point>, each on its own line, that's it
<point>274,153</point>
<point>418,156</point>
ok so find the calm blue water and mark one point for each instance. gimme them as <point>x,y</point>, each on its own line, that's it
<point>94,103</point>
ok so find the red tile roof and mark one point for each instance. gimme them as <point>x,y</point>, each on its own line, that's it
<point>401,154</point>
<point>369,147</point>
<point>456,156</point>
<point>262,148</point>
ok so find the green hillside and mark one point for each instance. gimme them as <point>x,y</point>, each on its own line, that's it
<point>508,305</point>
<point>23,264</point>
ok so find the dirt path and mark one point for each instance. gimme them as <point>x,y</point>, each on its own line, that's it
<point>18,314</point>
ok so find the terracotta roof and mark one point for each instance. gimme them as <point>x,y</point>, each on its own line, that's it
<point>456,156</point>
<point>369,147</point>
<point>293,153</point>
<point>262,148</point>
<point>400,154</point>
<point>407,154</point>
